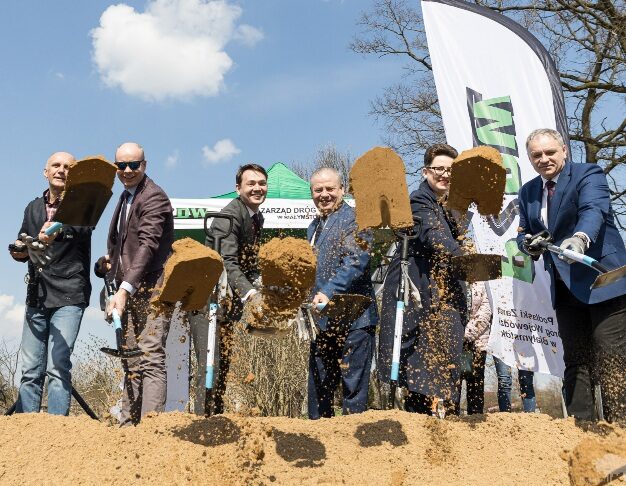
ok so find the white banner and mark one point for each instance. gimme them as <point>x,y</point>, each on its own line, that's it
<point>277,213</point>
<point>495,84</point>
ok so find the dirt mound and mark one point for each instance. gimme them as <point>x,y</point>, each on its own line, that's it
<point>599,461</point>
<point>288,273</point>
<point>377,448</point>
<point>477,176</point>
<point>385,202</point>
<point>191,272</point>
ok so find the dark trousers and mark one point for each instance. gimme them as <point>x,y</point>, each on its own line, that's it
<point>145,377</point>
<point>594,352</point>
<point>474,381</point>
<point>337,355</point>
<point>418,403</point>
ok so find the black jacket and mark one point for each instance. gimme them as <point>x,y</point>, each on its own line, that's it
<point>65,280</point>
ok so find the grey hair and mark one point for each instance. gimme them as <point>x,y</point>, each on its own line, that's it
<point>545,131</point>
<point>330,170</point>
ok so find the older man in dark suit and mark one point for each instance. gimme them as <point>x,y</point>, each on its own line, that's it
<point>573,202</point>
<point>239,249</point>
<point>343,350</point>
<point>140,240</point>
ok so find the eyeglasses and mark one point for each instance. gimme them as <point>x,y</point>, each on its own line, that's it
<point>134,165</point>
<point>441,170</point>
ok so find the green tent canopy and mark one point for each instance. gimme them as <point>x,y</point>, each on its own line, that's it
<point>282,183</point>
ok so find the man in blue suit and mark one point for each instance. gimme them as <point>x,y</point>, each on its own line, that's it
<point>343,350</point>
<point>572,201</point>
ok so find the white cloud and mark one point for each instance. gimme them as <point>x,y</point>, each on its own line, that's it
<point>175,49</point>
<point>59,75</point>
<point>172,160</point>
<point>222,151</point>
<point>11,317</point>
<point>248,35</point>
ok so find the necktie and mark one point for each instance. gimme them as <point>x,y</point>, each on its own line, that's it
<point>551,187</point>
<point>117,252</point>
<point>256,225</point>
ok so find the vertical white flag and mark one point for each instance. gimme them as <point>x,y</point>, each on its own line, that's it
<point>496,83</point>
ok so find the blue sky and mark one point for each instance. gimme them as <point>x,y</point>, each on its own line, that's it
<point>265,81</point>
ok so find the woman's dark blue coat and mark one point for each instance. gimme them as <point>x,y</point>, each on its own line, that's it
<point>432,337</point>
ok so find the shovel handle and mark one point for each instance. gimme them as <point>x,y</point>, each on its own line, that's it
<point>117,322</point>
<point>53,228</point>
<point>579,257</point>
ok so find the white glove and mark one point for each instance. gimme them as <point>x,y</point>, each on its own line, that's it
<point>36,250</point>
<point>575,243</point>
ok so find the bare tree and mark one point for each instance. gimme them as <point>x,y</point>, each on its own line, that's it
<point>327,156</point>
<point>8,372</point>
<point>586,39</point>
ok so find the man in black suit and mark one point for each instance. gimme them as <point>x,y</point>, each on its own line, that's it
<point>56,297</point>
<point>239,251</point>
<point>140,240</point>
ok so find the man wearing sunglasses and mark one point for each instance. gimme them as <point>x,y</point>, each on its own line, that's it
<point>140,239</point>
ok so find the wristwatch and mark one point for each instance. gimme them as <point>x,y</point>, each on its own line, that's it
<point>584,238</point>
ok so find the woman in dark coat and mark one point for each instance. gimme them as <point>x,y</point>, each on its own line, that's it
<point>432,337</point>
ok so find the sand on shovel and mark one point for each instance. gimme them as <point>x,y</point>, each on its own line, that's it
<point>190,275</point>
<point>477,176</point>
<point>378,184</point>
<point>288,273</point>
<point>88,188</point>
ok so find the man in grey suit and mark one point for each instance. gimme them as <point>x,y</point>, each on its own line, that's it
<point>140,240</point>
<point>239,250</point>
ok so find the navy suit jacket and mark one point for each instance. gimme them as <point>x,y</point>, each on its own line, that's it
<point>342,265</point>
<point>580,203</point>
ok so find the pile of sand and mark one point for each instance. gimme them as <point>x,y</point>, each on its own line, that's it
<point>377,448</point>
<point>190,275</point>
<point>288,274</point>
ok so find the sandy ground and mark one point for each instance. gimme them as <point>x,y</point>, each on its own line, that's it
<point>375,448</point>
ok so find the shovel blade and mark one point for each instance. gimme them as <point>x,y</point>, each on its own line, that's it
<point>87,192</point>
<point>118,353</point>
<point>608,278</point>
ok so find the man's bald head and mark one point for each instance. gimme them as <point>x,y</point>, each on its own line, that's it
<point>64,157</point>
<point>56,169</point>
<point>129,151</point>
<point>327,173</point>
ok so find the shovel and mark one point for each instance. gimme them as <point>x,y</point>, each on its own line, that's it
<point>605,277</point>
<point>117,322</point>
<point>88,188</point>
<point>345,307</point>
<point>216,296</point>
<point>405,288</point>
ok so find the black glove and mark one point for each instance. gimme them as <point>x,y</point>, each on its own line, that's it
<point>532,244</point>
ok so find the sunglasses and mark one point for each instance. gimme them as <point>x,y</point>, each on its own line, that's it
<point>133,165</point>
